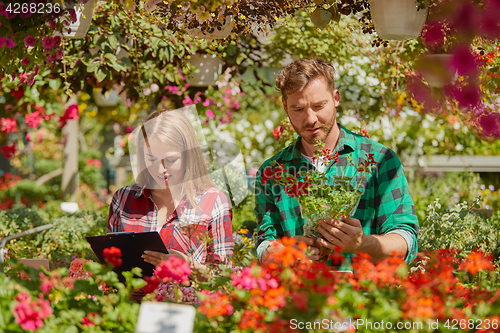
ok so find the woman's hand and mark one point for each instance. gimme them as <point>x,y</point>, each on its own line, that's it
<point>155,258</point>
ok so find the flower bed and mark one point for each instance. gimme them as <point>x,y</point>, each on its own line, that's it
<point>441,291</point>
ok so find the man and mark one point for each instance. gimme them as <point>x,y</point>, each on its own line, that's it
<point>384,220</point>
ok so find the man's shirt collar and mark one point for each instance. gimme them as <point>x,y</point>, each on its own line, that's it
<point>345,145</point>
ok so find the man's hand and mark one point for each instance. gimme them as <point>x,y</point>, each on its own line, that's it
<point>348,234</point>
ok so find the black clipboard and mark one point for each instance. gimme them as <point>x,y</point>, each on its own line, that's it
<point>132,246</point>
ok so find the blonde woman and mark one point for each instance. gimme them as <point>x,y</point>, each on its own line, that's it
<point>174,195</point>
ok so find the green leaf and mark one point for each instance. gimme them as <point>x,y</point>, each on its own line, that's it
<point>100,75</point>
<point>55,84</point>
<point>93,66</point>
<point>111,57</point>
<point>113,41</point>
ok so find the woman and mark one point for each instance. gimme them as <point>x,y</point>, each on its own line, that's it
<point>174,195</point>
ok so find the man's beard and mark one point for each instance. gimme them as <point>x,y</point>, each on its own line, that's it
<point>313,138</point>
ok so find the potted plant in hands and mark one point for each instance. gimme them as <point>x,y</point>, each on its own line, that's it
<point>320,197</point>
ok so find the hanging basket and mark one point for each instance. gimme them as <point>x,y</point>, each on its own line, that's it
<point>109,98</point>
<point>224,32</point>
<point>397,19</point>
<point>81,26</point>
<point>210,66</point>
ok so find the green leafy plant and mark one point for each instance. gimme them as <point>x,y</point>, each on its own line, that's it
<point>318,199</point>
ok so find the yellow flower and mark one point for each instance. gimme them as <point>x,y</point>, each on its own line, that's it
<point>82,107</point>
<point>204,16</point>
<point>401,99</point>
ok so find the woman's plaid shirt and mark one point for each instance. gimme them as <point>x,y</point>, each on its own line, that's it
<point>132,209</point>
<point>384,207</point>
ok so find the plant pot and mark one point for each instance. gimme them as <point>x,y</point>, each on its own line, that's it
<point>436,69</point>
<point>216,34</point>
<point>80,28</point>
<point>109,98</point>
<point>210,66</point>
<point>397,19</point>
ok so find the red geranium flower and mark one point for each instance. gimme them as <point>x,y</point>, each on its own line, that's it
<point>113,256</point>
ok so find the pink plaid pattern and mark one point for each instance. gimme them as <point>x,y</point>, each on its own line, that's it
<point>132,209</point>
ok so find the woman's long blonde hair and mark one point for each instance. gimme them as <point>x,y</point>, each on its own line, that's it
<point>172,127</point>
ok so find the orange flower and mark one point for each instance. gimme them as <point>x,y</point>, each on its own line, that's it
<point>475,262</point>
<point>215,305</point>
<point>251,319</point>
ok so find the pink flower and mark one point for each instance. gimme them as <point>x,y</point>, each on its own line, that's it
<point>434,34</point>
<point>210,114</point>
<point>2,41</point>
<point>25,61</point>
<point>488,125</point>
<point>52,24</point>
<point>30,314</point>
<point>33,119</point>
<point>29,41</point>
<point>8,125</point>
<point>464,61</point>
<point>94,162</point>
<point>72,15</point>
<point>206,102</point>
<point>48,42</point>
<point>57,40</point>
<point>2,9</point>
<point>467,95</point>
<point>9,150</point>
<point>173,270</point>
<point>9,43</point>
<point>70,113</point>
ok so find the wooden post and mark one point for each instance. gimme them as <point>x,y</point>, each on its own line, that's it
<point>70,156</point>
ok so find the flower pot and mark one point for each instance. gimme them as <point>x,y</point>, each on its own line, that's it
<point>436,69</point>
<point>83,19</point>
<point>109,98</point>
<point>210,67</point>
<point>397,19</point>
<point>216,34</point>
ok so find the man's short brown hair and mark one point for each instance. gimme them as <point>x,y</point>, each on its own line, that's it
<point>299,73</point>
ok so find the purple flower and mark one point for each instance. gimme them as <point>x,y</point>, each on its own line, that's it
<point>29,41</point>
<point>25,61</point>
<point>52,24</point>
<point>464,61</point>
<point>9,43</point>
<point>48,42</point>
<point>51,57</point>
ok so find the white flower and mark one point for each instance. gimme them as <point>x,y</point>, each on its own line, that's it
<point>459,147</point>
<point>269,124</point>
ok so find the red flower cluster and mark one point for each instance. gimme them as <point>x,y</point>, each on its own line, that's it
<point>365,165</point>
<point>94,162</point>
<point>9,150</point>
<point>276,173</point>
<point>33,119</point>
<point>113,256</point>
<point>327,156</point>
<point>152,283</point>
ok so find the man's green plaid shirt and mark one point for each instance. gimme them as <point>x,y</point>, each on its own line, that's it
<point>384,207</point>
